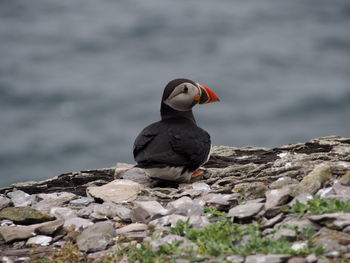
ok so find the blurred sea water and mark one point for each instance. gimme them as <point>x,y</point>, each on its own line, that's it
<point>79,79</point>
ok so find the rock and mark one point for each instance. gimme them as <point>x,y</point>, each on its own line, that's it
<point>62,212</point>
<point>20,198</point>
<point>283,181</point>
<point>345,179</point>
<point>235,259</point>
<point>220,199</point>
<point>168,220</point>
<point>266,258</point>
<point>302,198</point>
<point>135,227</point>
<point>77,223</point>
<point>53,200</point>
<point>87,211</point>
<point>39,240</point>
<point>288,234</point>
<point>138,175</point>
<point>169,239</point>
<point>311,258</point>
<point>299,224</point>
<point>4,202</point>
<point>198,222</point>
<point>111,210</point>
<point>297,260</point>
<point>342,190</point>
<point>299,245</point>
<point>314,180</point>
<point>272,221</point>
<point>12,233</point>
<point>24,215</point>
<point>84,201</point>
<point>251,190</point>
<point>118,191</point>
<point>245,211</point>
<point>185,206</point>
<point>332,240</point>
<point>277,197</point>
<point>96,237</point>
<point>146,211</point>
<point>48,228</point>
<point>332,220</point>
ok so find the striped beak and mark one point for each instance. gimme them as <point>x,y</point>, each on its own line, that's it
<point>207,95</point>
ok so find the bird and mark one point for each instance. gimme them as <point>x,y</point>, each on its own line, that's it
<point>174,148</point>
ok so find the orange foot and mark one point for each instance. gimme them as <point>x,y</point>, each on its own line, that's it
<point>196,173</point>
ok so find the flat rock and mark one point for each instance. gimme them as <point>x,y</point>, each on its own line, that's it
<point>48,228</point>
<point>288,234</point>
<point>40,240</point>
<point>277,197</point>
<point>169,239</point>
<point>118,191</point>
<point>12,233</point>
<point>168,220</point>
<point>77,223</point>
<point>84,201</point>
<point>146,211</point>
<point>4,202</point>
<point>345,179</point>
<point>96,237</point>
<point>341,190</point>
<point>62,212</point>
<point>185,206</point>
<point>24,215</point>
<point>300,224</point>
<point>111,210</point>
<point>332,220</point>
<point>314,180</point>
<point>297,260</point>
<point>52,200</point>
<point>252,190</point>
<point>302,198</point>
<point>283,181</point>
<point>138,175</point>
<point>20,198</point>
<point>220,199</point>
<point>332,240</point>
<point>135,227</point>
<point>198,221</point>
<point>235,259</point>
<point>245,211</point>
<point>266,258</point>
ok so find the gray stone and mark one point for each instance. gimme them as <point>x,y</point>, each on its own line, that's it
<point>118,191</point>
<point>12,233</point>
<point>300,224</point>
<point>84,201</point>
<point>169,239</point>
<point>198,222</point>
<point>20,198</point>
<point>332,240</point>
<point>6,222</point>
<point>235,259</point>
<point>48,228</point>
<point>277,197</point>
<point>220,199</point>
<point>39,240</point>
<point>96,237</point>
<point>251,190</point>
<point>135,227</point>
<point>185,206</point>
<point>146,211</point>
<point>87,211</point>
<point>138,175</point>
<point>62,212</point>
<point>297,260</point>
<point>288,234</point>
<point>302,198</point>
<point>77,223</point>
<point>272,221</point>
<point>53,200</point>
<point>311,258</point>
<point>299,245</point>
<point>341,190</point>
<point>168,220</point>
<point>332,220</point>
<point>24,215</point>
<point>245,211</point>
<point>111,210</point>
<point>283,181</point>
<point>345,179</point>
<point>314,180</point>
<point>266,258</point>
<point>4,202</point>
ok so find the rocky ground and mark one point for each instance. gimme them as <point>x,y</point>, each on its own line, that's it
<point>287,204</point>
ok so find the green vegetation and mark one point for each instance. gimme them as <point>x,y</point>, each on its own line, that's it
<point>319,205</point>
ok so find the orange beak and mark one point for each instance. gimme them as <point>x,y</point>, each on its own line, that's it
<point>207,96</point>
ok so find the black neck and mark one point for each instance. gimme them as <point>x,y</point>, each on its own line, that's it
<point>166,112</point>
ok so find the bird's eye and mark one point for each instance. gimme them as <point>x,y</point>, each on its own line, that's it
<point>185,89</point>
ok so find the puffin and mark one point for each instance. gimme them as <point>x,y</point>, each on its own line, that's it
<point>174,148</point>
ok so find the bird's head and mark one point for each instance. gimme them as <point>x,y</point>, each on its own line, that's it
<point>183,94</point>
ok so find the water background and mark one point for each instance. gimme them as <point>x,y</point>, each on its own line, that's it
<point>79,79</point>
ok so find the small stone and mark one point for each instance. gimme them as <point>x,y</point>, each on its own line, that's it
<point>299,245</point>
<point>345,179</point>
<point>185,206</point>
<point>20,198</point>
<point>135,231</point>
<point>84,201</point>
<point>96,237</point>
<point>299,224</point>
<point>52,200</point>
<point>169,239</point>
<point>111,210</point>
<point>169,220</point>
<point>198,222</point>
<point>302,198</point>
<point>48,228</point>
<point>341,190</point>
<point>220,199</point>
<point>24,215</point>
<point>11,233</point>
<point>77,222</point>
<point>117,191</point>
<point>145,211</point>
<point>87,211</point>
<point>288,234</point>
<point>271,222</point>
<point>283,181</point>
<point>62,212</point>
<point>245,211</point>
<point>39,240</point>
<point>235,259</point>
<point>4,202</point>
<point>251,190</point>
<point>314,180</point>
<point>266,258</point>
<point>332,220</point>
<point>6,222</point>
<point>297,260</point>
<point>138,175</point>
<point>277,197</point>
<point>311,258</point>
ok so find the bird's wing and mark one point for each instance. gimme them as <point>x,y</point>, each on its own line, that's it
<point>145,137</point>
